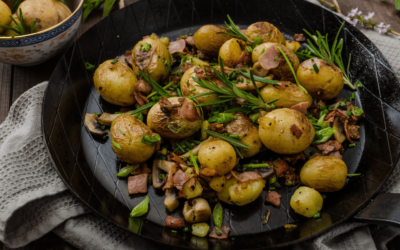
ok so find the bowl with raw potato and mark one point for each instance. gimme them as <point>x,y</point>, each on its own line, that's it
<point>36,30</point>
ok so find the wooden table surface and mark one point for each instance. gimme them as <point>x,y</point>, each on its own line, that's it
<point>16,80</point>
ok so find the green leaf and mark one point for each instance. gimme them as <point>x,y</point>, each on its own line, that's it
<point>125,171</point>
<point>357,112</point>
<point>107,7</point>
<point>116,145</point>
<point>257,41</point>
<point>151,140</point>
<point>398,4</point>
<point>218,215</point>
<point>89,66</point>
<point>222,118</point>
<point>323,135</point>
<point>227,139</point>
<point>141,208</point>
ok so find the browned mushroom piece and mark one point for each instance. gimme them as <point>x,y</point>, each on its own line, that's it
<point>91,124</point>
<point>196,210</point>
<point>107,119</point>
<point>156,171</point>
<point>166,165</point>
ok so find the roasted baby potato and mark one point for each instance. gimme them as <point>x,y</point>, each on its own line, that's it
<point>173,126</point>
<point>209,40</point>
<point>306,201</point>
<point>231,51</point>
<point>191,192</point>
<point>288,97</point>
<point>190,88</point>
<point>282,71</point>
<point>293,45</point>
<point>243,126</point>
<point>47,13</point>
<point>324,84</point>
<point>151,54</point>
<point>238,193</point>
<point>278,131</point>
<point>200,230</point>
<point>127,131</point>
<point>115,82</point>
<point>324,173</point>
<point>217,154</point>
<point>267,31</point>
<point>196,210</point>
<point>9,32</point>
<point>218,183</point>
<point>5,14</point>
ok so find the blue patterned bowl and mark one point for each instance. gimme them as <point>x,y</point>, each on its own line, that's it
<point>39,47</point>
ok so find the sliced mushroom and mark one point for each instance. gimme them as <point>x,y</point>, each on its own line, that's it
<point>107,119</point>
<point>171,199</point>
<point>259,70</point>
<point>157,182</point>
<point>195,150</point>
<point>196,210</point>
<point>91,124</point>
<point>249,85</point>
<point>338,134</point>
<point>265,172</point>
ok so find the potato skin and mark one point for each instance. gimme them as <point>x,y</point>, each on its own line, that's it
<point>158,122</point>
<point>325,85</point>
<point>235,193</point>
<point>282,71</point>
<point>267,31</point>
<point>5,14</point>
<point>276,135</point>
<point>198,190</point>
<point>231,51</point>
<point>218,183</point>
<point>244,126</point>
<point>115,83</point>
<point>306,201</point>
<point>324,173</point>
<point>288,97</point>
<point>208,40</point>
<point>293,45</point>
<point>133,150</point>
<point>152,60</point>
<point>217,154</point>
<point>187,84</point>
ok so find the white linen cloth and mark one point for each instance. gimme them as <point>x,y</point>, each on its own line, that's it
<point>35,201</point>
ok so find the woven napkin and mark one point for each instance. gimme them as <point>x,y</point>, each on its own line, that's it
<point>35,201</point>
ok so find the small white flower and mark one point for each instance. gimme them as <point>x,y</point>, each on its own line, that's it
<point>352,22</point>
<point>353,12</point>
<point>382,28</point>
<point>369,16</point>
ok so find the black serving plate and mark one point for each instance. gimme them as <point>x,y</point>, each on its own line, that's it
<point>88,165</point>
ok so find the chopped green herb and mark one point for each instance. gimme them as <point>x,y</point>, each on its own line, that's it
<point>150,180</point>
<point>262,51</point>
<point>350,175</point>
<point>125,171</point>
<point>139,116</point>
<point>173,231</point>
<point>316,68</point>
<point>359,85</point>
<point>353,96</point>
<point>289,183</point>
<point>116,145</point>
<point>323,135</point>
<point>276,166</point>
<point>89,66</point>
<point>186,229</point>
<point>141,208</point>
<point>193,160</point>
<point>188,145</point>
<point>276,59</point>
<point>147,46</point>
<point>352,145</point>
<point>250,49</point>
<point>190,34</point>
<point>317,215</point>
<point>182,36</point>
<point>234,137</point>
<point>256,165</point>
<point>192,90</point>
<point>166,64</point>
<point>218,233</point>
<point>232,238</point>
<point>184,159</point>
<point>161,176</point>
<point>323,196</point>
<point>98,114</point>
<point>103,127</point>
<point>151,140</point>
<point>271,188</point>
<point>254,118</point>
<point>122,132</point>
<point>272,179</point>
<point>222,118</point>
<point>114,61</point>
<point>357,112</point>
<point>104,137</point>
<point>257,41</point>
<point>227,139</point>
<point>328,64</point>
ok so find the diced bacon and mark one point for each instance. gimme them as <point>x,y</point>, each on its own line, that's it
<point>292,159</point>
<point>188,111</point>
<point>291,177</point>
<point>141,99</point>
<point>246,176</point>
<point>329,146</point>
<point>176,159</point>
<point>274,198</point>
<point>224,231</point>
<point>281,167</point>
<point>143,86</point>
<point>296,131</point>
<point>336,154</point>
<point>174,222</point>
<point>245,57</point>
<point>209,172</point>
<point>217,127</point>
<point>331,116</point>
<point>353,131</point>
<point>342,113</point>
<point>177,46</point>
<point>190,40</point>
<point>182,195</point>
<point>170,181</point>
<point>299,37</point>
<point>281,87</point>
<point>142,169</point>
<point>228,176</point>
<point>268,58</point>
<point>138,184</point>
<point>346,129</point>
<point>180,178</point>
<point>301,107</point>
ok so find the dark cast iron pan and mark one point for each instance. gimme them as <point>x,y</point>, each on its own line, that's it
<point>88,165</point>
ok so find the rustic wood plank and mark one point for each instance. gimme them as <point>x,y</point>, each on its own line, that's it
<point>5,90</point>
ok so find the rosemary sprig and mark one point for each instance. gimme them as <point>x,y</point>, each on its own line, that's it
<point>234,31</point>
<point>330,54</point>
<point>144,107</point>
<point>155,92</point>
<point>259,78</point>
<point>20,29</point>
<point>213,103</point>
<point>230,140</point>
<point>291,68</point>
<point>155,85</point>
<point>202,94</point>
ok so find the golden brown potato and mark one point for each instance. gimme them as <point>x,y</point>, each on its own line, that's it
<point>173,126</point>
<point>127,131</point>
<point>267,31</point>
<point>115,83</point>
<point>231,51</point>
<point>242,125</point>
<point>208,39</point>
<point>151,54</point>
<point>236,193</point>
<point>200,230</point>
<point>288,97</point>
<point>192,193</point>
<point>326,84</point>
<point>196,210</point>
<point>306,201</point>
<point>324,173</point>
<point>218,183</point>
<point>293,45</point>
<point>47,13</point>
<point>282,71</point>
<point>9,32</point>
<point>5,14</point>
<point>217,154</point>
<point>190,88</point>
<point>276,131</point>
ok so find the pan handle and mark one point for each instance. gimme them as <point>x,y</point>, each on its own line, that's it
<point>383,210</point>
